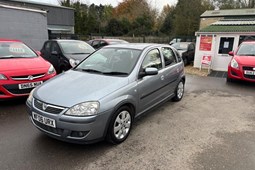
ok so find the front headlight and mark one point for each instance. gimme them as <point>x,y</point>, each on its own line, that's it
<point>30,97</point>
<point>51,69</point>
<point>234,63</point>
<point>2,77</point>
<point>84,109</point>
<point>73,62</point>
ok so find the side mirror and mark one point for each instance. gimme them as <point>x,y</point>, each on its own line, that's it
<point>38,53</point>
<point>54,53</point>
<point>150,71</point>
<point>231,53</point>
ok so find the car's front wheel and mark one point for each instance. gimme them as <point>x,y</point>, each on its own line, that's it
<point>179,91</point>
<point>120,125</point>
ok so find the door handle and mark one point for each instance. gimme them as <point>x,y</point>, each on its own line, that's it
<point>162,77</point>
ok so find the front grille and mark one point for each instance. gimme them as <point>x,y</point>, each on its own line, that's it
<point>14,89</point>
<point>248,68</point>
<point>47,107</point>
<point>249,76</point>
<point>28,77</point>
<point>56,131</point>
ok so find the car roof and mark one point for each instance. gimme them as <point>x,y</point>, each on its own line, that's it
<point>108,39</point>
<point>64,40</point>
<point>9,40</point>
<point>183,43</point>
<point>139,46</point>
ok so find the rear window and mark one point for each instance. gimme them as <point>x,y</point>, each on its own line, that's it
<point>15,50</point>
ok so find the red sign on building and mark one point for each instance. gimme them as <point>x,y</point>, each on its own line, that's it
<point>205,43</point>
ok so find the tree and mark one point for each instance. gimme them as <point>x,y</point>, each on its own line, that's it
<point>234,4</point>
<point>165,20</point>
<point>187,15</point>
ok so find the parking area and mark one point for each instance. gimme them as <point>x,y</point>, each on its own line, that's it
<point>211,128</point>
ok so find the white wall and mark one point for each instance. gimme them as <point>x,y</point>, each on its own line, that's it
<point>219,61</point>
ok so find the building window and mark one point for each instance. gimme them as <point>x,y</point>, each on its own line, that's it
<point>226,45</point>
<point>246,38</point>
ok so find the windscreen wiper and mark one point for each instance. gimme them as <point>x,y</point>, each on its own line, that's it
<point>115,73</point>
<point>91,71</point>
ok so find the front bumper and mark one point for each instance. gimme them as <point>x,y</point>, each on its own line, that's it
<point>238,74</point>
<point>10,88</point>
<point>81,130</point>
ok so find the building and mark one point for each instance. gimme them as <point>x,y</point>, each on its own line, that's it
<point>221,31</point>
<point>59,21</point>
<point>28,25</point>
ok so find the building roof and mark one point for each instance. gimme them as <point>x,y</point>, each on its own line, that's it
<point>231,25</point>
<point>228,13</point>
<point>228,28</point>
<point>21,8</point>
<point>40,3</point>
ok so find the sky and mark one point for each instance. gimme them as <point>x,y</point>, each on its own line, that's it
<point>155,3</point>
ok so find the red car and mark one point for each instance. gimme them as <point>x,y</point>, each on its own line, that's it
<point>242,65</point>
<point>21,69</point>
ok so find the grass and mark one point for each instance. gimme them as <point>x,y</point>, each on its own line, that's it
<point>189,69</point>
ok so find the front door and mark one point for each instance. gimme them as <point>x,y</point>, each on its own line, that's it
<point>150,87</point>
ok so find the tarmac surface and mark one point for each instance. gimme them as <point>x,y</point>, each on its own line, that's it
<point>213,127</point>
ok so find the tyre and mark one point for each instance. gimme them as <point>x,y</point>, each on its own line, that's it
<point>120,125</point>
<point>179,91</point>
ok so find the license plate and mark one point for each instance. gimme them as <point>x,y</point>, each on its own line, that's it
<point>44,120</point>
<point>29,85</point>
<point>247,72</point>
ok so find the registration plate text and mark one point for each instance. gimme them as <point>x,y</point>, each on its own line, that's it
<point>44,120</point>
<point>29,85</point>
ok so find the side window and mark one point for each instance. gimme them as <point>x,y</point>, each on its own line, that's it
<point>47,46</point>
<point>178,55</point>
<point>55,47</point>
<point>152,59</point>
<point>96,44</point>
<point>103,43</point>
<point>169,56</point>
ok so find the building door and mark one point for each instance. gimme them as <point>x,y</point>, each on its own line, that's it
<point>223,45</point>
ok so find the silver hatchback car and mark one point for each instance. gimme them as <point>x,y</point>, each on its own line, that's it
<point>100,98</point>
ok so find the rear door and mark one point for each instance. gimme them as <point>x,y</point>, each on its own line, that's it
<point>172,69</point>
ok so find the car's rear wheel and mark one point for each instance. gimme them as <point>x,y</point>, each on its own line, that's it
<point>120,125</point>
<point>179,91</point>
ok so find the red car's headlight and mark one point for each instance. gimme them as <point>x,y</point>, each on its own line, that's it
<point>234,64</point>
<point>3,77</point>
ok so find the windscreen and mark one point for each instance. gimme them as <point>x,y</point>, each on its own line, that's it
<point>111,61</point>
<point>75,47</point>
<point>15,50</point>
